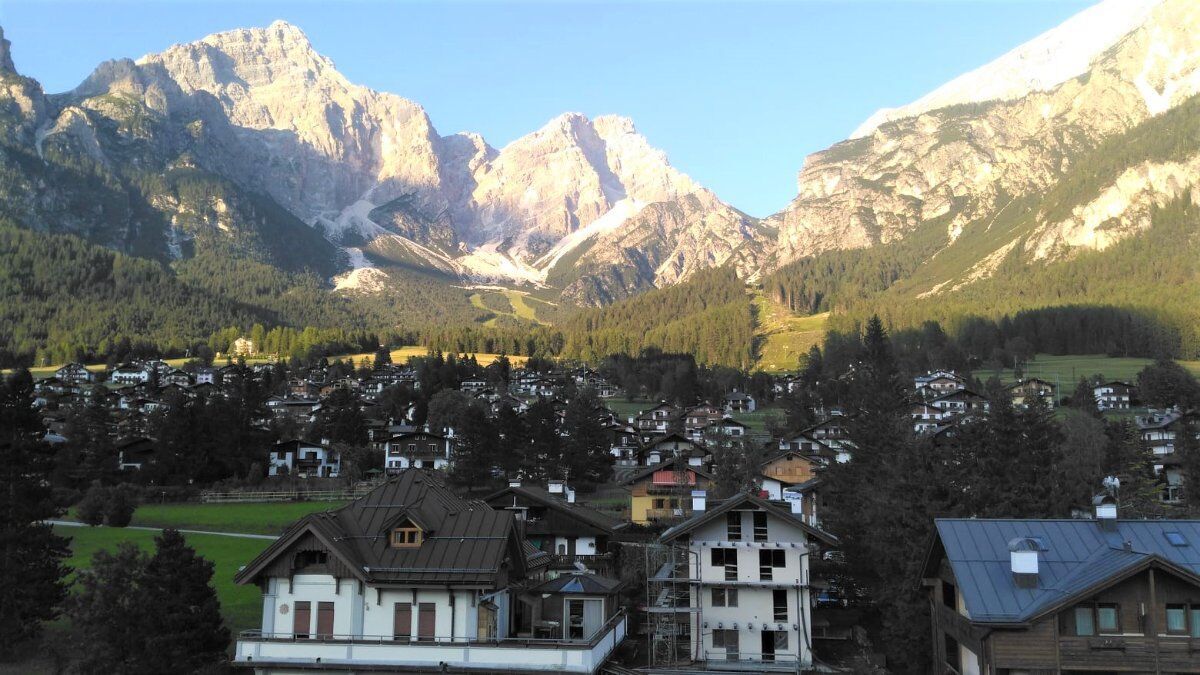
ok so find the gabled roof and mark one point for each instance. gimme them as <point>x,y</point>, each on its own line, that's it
<point>667,464</point>
<point>465,542</point>
<point>587,515</point>
<point>579,584</point>
<point>1077,558</point>
<point>745,499</point>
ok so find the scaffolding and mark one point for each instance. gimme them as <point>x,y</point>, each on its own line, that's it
<point>672,610</point>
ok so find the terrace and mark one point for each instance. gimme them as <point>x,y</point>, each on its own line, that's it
<point>339,652</point>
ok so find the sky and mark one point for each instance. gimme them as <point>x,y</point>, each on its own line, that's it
<point>736,93</point>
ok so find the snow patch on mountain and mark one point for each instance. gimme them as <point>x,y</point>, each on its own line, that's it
<point>1058,55</point>
<point>617,216</point>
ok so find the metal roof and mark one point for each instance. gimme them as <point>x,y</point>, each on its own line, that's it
<point>1079,556</point>
<point>465,542</point>
<point>585,514</point>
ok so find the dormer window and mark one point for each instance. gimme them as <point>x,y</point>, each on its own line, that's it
<point>406,535</point>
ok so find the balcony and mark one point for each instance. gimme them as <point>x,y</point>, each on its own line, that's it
<point>1131,653</point>
<point>594,562</point>
<point>667,514</point>
<point>344,652</point>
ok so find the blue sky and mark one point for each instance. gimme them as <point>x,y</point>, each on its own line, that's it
<point>736,93</point>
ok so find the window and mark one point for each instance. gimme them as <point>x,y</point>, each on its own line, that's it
<point>760,526</point>
<point>724,597</point>
<point>1085,623</point>
<point>1108,618</point>
<point>768,560</point>
<point>780,601</point>
<point>302,620</point>
<point>305,559</point>
<point>402,621</point>
<point>1177,619</point>
<point>726,640</point>
<point>727,558</point>
<point>406,535</point>
<point>1175,538</point>
<point>949,595</point>
<point>733,526</point>
<point>1194,616</point>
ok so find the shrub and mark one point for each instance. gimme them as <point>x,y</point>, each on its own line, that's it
<point>90,509</point>
<point>119,507</point>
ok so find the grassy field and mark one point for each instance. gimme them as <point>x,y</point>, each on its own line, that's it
<point>1066,370</point>
<point>782,337</point>
<point>240,605</point>
<point>247,518</point>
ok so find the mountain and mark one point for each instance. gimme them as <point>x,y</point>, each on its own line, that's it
<point>371,171</point>
<point>249,169</point>
<point>1017,171</point>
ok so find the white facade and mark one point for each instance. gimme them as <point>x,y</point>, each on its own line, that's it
<point>364,631</point>
<point>767,573</point>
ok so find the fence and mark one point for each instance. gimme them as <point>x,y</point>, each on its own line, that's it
<point>285,495</point>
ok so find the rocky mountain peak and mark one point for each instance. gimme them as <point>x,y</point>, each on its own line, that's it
<point>6,62</point>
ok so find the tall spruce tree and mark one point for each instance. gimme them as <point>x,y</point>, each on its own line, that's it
<point>108,613</point>
<point>183,629</point>
<point>882,515</point>
<point>32,574</point>
<point>585,448</point>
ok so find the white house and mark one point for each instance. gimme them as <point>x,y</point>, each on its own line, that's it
<point>74,373</point>
<point>1113,395</point>
<point>748,580</point>
<point>412,578</point>
<point>130,373</point>
<point>303,459</point>
<point>417,450</point>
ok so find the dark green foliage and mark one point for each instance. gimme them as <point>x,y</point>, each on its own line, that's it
<point>477,444</point>
<point>709,317</point>
<point>32,574</point>
<point>108,611</point>
<point>140,614</point>
<point>187,634</point>
<point>585,450</point>
<point>340,419</point>
<point>1166,384</point>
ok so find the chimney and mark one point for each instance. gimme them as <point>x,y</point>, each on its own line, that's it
<point>1023,559</point>
<point>570,495</point>
<point>699,501</point>
<point>1106,511</point>
<point>555,487</point>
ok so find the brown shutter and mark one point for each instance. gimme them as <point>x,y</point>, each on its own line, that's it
<point>302,619</point>
<point>324,619</point>
<point>426,620</point>
<point>402,621</point>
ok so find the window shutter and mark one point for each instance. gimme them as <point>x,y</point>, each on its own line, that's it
<point>402,622</point>
<point>302,620</point>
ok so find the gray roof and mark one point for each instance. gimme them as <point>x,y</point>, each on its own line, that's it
<point>465,542</point>
<point>588,515</point>
<point>1077,558</point>
<point>745,500</point>
<point>583,583</point>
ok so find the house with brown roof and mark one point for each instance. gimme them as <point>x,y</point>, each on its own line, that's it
<point>555,523</point>
<point>662,491</point>
<point>413,578</point>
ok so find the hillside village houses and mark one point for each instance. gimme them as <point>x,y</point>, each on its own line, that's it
<point>1113,395</point>
<point>529,577</point>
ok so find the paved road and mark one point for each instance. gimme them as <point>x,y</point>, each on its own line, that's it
<point>240,535</point>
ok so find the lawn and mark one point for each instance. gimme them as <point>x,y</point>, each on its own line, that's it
<point>783,337</point>
<point>241,606</point>
<point>248,518</point>
<point>1065,371</point>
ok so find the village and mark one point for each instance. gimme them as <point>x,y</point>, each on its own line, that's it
<point>694,540</point>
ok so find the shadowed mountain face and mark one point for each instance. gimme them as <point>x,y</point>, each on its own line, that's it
<point>250,144</point>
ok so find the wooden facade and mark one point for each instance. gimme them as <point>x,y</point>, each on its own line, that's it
<point>1135,636</point>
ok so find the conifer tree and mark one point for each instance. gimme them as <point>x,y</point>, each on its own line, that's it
<point>32,574</point>
<point>183,629</point>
